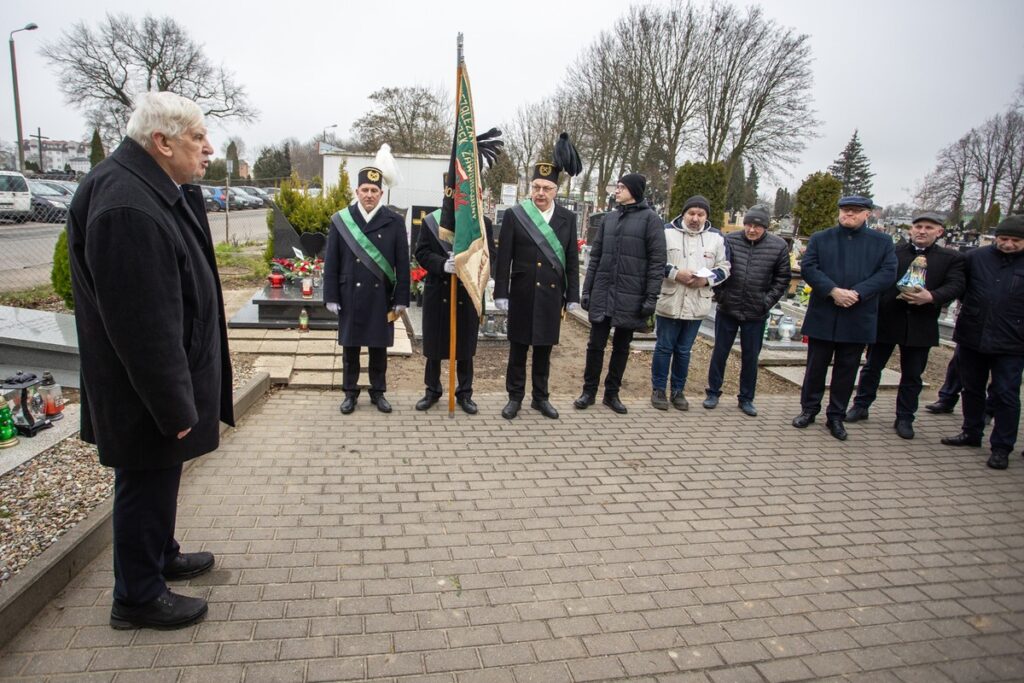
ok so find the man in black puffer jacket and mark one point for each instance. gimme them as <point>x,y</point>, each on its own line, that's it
<point>627,264</point>
<point>759,276</point>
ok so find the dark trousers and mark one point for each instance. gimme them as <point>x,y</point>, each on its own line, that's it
<point>845,358</point>
<point>463,371</point>
<point>913,360</point>
<point>949,392</point>
<point>1004,395</point>
<point>350,370</point>
<point>515,374</point>
<point>145,508</point>
<point>599,333</point>
<point>751,338</point>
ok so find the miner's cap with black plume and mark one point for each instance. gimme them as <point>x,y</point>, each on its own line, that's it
<point>564,158</point>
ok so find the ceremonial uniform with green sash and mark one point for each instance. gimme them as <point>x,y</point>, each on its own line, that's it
<point>538,273</point>
<point>366,274</point>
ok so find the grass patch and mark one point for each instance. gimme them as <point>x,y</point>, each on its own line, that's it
<point>241,261</point>
<point>41,296</point>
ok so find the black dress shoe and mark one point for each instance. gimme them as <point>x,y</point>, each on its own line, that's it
<point>615,404</point>
<point>856,414</point>
<point>545,408</point>
<point>802,420</point>
<point>748,408</point>
<point>188,565</point>
<point>427,402</point>
<point>904,428</point>
<point>585,399</point>
<point>381,403</point>
<point>939,407</point>
<point>836,429</point>
<point>999,460</point>
<point>511,409</point>
<point>348,405</point>
<point>711,402</point>
<point>962,439</point>
<point>167,612</point>
<point>468,405</point>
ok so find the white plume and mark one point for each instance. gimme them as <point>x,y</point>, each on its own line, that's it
<point>388,166</point>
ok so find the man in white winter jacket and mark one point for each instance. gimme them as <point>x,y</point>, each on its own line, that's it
<point>696,262</point>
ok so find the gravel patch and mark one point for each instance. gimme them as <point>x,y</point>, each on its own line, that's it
<point>45,497</point>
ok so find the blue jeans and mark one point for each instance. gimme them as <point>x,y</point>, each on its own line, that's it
<point>751,338</point>
<point>675,339</point>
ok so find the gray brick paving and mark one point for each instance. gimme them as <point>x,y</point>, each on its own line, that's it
<point>699,546</point>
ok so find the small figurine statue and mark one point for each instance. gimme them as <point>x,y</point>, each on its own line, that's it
<point>913,279</point>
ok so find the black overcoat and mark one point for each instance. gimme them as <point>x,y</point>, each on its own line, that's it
<point>365,300</point>
<point>861,259</point>
<point>991,319</point>
<point>759,274</point>
<point>431,254</point>
<point>912,325</point>
<point>149,314</point>
<point>536,294</point>
<point>627,265</point>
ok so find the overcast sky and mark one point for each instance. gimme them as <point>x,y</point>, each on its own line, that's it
<point>911,75</point>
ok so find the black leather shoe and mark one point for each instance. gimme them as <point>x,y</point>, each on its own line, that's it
<point>585,399</point>
<point>545,408</point>
<point>748,408</point>
<point>802,420</point>
<point>188,565</point>
<point>169,611</point>
<point>468,405</point>
<point>962,439</point>
<point>904,428</point>
<point>836,429</point>
<point>381,403</point>
<point>348,405</point>
<point>939,407</point>
<point>710,402</point>
<point>511,409</point>
<point>999,460</point>
<point>615,404</point>
<point>856,414</point>
<point>427,402</point>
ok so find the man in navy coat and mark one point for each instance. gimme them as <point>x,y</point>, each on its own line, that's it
<point>366,284</point>
<point>156,375</point>
<point>848,266</point>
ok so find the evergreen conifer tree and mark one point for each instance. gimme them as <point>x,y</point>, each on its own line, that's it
<point>853,169</point>
<point>750,188</point>
<point>737,185</point>
<point>96,153</point>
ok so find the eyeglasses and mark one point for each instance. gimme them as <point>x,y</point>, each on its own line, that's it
<point>539,188</point>
<point>620,186</point>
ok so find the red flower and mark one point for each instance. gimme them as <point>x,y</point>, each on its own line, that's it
<point>418,273</point>
<point>579,244</point>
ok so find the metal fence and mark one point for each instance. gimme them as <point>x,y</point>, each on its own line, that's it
<point>26,249</point>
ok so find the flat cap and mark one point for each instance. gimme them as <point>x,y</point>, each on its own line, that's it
<point>931,217</point>
<point>857,201</point>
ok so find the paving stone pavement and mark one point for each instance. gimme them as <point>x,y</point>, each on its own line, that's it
<point>698,546</point>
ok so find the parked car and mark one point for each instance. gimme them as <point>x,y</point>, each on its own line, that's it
<point>61,186</point>
<point>234,200</point>
<point>258,193</point>
<point>246,200</point>
<point>15,197</point>
<point>211,203</point>
<point>48,205</point>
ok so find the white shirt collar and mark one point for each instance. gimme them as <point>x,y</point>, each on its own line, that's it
<point>549,213</point>
<point>368,216</point>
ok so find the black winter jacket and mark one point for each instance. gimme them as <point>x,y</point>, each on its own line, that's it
<point>991,319</point>
<point>758,278</point>
<point>918,325</point>
<point>627,265</point>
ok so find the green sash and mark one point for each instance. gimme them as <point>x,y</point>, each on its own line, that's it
<point>356,239</point>
<point>542,225</point>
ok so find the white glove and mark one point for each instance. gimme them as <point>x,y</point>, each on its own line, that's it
<point>399,308</point>
<point>449,265</point>
<point>573,307</point>
<point>333,307</point>
<point>501,304</point>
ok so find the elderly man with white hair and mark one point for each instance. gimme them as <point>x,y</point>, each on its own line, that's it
<point>156,376</point>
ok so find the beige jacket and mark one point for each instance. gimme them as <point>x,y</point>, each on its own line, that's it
<point>692,251</point>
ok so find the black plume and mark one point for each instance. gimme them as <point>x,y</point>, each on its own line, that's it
<point>566,157</point>
<point>489,146</point>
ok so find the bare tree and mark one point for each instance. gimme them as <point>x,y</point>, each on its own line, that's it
<point>528,133</point>
<point>946,187</point>
<point>103,71</point>
<point>755,91</point>
<point>1011,192</point>
<point>989,153</point>
<point>239,146</point>
<point>413,120</point>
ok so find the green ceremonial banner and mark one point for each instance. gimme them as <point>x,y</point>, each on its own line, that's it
<point>472,258</point>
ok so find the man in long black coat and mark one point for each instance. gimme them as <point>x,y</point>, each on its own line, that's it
<point>537,277</point>
<point>434,254</point>
<point>848,267</point>
<point>156,375</point>
<point>627,265</point>
<point>366,284</point>
<point>910,319</point>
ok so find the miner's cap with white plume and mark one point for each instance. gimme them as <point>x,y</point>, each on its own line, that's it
<point>564,158</point>
<point>384,170</point>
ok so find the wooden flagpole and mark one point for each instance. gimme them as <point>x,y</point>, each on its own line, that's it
<point>454,276</point>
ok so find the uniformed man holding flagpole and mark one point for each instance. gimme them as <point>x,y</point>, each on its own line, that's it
<point>537,278</point>
<point>366,281</point>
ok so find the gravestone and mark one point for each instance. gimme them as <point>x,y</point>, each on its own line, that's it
<point>286,238</point>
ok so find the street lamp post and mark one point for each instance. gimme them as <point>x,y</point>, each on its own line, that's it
<point>17,101</point>
<point>326,128</point>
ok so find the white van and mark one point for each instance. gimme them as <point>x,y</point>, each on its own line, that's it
<point>15,198</point>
